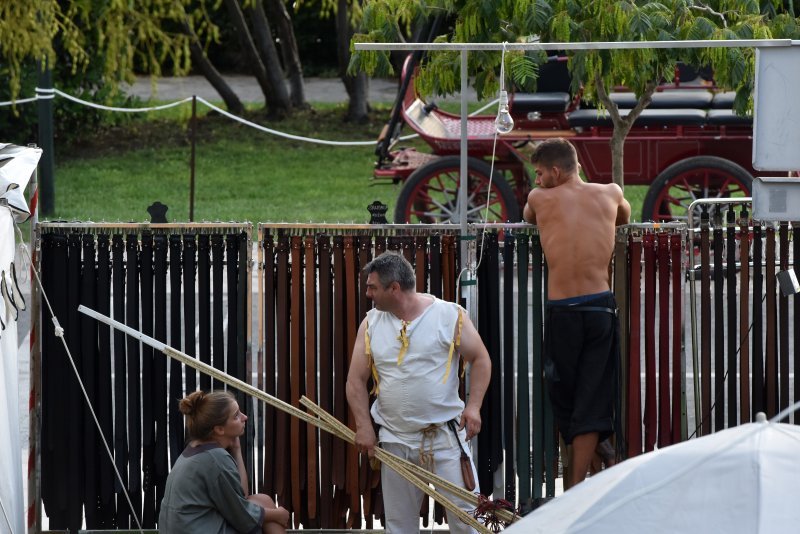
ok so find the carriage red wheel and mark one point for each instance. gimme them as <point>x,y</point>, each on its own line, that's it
<point>430,195</point>
<point>682,183</point>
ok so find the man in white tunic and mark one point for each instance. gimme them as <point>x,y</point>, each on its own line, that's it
<point>409,343</point>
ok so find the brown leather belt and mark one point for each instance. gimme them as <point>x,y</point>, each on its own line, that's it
<point>650,415</point>
<point>312,489</point>
<point>282,436</point>
<point>351,321</point>
<point>270,431</point>
<point>705,324</point>
<point>664,421</point>
<point>435,267</point>
<point>339,460</point>
<point>633,434</point>
<point>757,341</point>
<point>448,268</point>
<point>676,250</point>
<point>744,317</point>
<point>421,264</point>
<point>326,372</point>
<point>296,344</point>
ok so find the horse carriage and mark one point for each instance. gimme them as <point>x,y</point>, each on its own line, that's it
<point>688,144</point>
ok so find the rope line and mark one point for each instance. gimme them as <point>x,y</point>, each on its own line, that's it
<point>59,332</point>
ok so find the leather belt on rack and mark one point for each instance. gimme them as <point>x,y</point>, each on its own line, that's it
<point>732,318</point>
<point>89,358</point>
<point>351,321</point>
<point>744,317</point>
<point>296,343</point>
<point>758,325</point>
<point>217,314</point>
<point>204,305</point>
<point>650,415</point>
<point>282,435</point>
<point>104,379</point>
<point>523,399</point>
<point>312,490</point>
<point>705,324</point>
<point>176,422</point>
<point>664,421</point>
<point>718,401</point>
<point>508,366</point>
<point>270,432</point>
<point>448,268</point>
<point>633,432</point>
<point>339,461</point>
<point>326,372</point>
<point>120,396</point>
<point>676,250</point>
<point>771,359</point>
<point>134,380</point>
<point>160,395</point>
<point>783,321</point>
<point>149,479</point>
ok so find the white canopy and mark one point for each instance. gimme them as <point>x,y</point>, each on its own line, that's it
<point>740,480</point>
<point>16,167</point>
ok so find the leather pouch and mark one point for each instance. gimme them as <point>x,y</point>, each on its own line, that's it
<point>466,463</point>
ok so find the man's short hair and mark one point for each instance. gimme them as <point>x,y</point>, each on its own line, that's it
<point>392,267</point>
<point>556,152</point>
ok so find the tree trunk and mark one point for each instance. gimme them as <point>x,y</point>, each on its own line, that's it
<point>276,10</point>
<point>356,86</point>
<point>275,107</point>
<point>622,126</point>
<point>262,34</point>
<point>207,69</point>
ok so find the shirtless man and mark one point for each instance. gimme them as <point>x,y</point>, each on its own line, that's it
<point>577,223</point>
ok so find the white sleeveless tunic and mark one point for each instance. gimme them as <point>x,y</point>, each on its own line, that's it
<point>421,390</point>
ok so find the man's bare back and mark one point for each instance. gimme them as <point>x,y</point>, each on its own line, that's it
<point>576,223</point>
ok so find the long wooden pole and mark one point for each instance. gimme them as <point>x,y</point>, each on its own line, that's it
<point>391,461</point>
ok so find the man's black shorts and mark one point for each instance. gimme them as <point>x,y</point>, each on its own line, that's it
<point>580,354</point>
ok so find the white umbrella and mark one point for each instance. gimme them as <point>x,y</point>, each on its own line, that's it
<point>741,480</point>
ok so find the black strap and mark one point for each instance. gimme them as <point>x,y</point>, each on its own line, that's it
<point>452,425</point>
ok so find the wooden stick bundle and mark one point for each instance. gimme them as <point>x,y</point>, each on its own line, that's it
<point>411,472</point>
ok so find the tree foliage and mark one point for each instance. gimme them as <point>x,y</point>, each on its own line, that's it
<point>120,33</point>
<point>594,72</point>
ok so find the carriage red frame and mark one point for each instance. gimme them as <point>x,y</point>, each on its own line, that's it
<point>688,144</point>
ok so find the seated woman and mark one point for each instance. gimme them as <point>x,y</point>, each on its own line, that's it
<point>207,489</point>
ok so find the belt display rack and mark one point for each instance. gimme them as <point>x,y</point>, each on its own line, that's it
<point>309,299</point>
<point>169,281</point>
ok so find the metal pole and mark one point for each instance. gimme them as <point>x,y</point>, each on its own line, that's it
<point>44,104</point>
<point>193,135</point>
<point>462,189</point>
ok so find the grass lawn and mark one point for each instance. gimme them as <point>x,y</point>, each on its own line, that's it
<point>242,174</point>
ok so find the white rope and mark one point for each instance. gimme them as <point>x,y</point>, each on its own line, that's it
<point>123,110</point>
<point>282,134</point>
<point>59,332</point>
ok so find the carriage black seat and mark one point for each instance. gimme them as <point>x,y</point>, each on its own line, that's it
<point>723,100</point>
<point>586,118</point>
<point>728,117</point>
<point>671,99</point>
<point>524,103</point>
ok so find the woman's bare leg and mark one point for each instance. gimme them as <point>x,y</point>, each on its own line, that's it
<point>277,518</point>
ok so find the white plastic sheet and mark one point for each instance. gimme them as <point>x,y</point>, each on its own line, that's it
<point>740,480</point>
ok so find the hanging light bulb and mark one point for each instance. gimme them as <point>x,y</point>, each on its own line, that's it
<point>503,123</point>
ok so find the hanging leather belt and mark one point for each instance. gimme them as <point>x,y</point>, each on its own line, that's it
<point>160,395</point>
<point>339,461</point>
<point>217,318</point>
<point>270,434</point>
<point>311,372</point>
<point>664,421</point>
<point>633,433</point>
<point>705,324</point>
<point>448,268</point>
<point>719,328</point>
<point>296,323</point>
<point>744,316</point>
<point>508,367</point>
<point>771,360</point>
<point>756,335</point>
<point>282,435</point>
<point>650,415</point>
<point>351,321</point>
<point>89,357</point>
<point>326,373</point>
<point>204,305</point>
<point>676,249</point>
<point>523,392</point>
<point>176,423</point>
<point>783,321</point>
<point>189,304</point>
<point>148,396</point>
<point>134,380</point>
<point>732,335</point>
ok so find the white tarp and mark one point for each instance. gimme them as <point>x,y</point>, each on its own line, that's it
<point>16,167</point>
<point>740,480</point>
